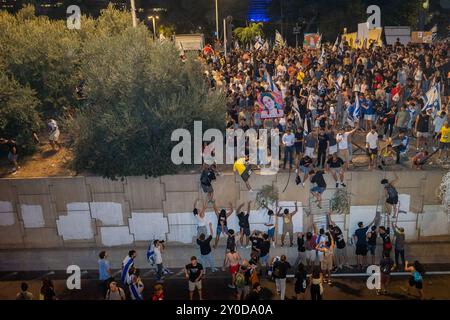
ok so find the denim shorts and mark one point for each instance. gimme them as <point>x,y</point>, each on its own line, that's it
<point>371,249</point>
<point>318,189</point>
<point>264,260</point>
<point>219,229</point>
<point>305,170</point>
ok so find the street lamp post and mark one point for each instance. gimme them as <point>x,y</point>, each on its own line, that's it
<point>133,13</point>
<point>217,20</point>
<point>154,18</point>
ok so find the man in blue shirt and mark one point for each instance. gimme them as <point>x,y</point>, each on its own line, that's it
<point>361,243</point>
<point>104,272</point>
<point>369,111</point>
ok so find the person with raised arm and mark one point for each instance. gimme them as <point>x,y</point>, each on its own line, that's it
<point>244,224</point>
<point>222,217</point>
<point>288,226</point>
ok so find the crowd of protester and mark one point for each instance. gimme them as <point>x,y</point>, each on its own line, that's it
<point>321,88</point>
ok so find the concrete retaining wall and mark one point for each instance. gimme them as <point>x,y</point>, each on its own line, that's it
<point>82,212</point>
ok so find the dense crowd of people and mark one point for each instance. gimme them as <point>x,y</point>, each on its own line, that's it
<point>333,98</point>
<point>337,97</point>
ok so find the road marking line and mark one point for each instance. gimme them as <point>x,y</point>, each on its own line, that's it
<point>12,274</point>
<point>356,275</point>
<point>44,275</point>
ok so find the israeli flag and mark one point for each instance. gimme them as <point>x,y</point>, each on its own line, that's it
<point>433,98</point>
<point>134,291</point>
<point>341,48</point>
<point>151,254</point>
<point>357,110</point>
<point>259,43</point>
<point>336,44</point>
<point>321,60</point>
<point>338,82</point>
<point>128,262</point>
<point>279,41</point>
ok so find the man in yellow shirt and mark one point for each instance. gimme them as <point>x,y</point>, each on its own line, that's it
<point>240,165</point>
<point>444,141</point>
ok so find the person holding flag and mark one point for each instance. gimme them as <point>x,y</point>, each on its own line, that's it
<point>243,169</point>
<point>127,263</point>
<point>432,99</point>
<point>279,41</point>
<point>136,286</point>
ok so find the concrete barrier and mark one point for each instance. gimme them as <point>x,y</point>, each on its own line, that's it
<point>92,212</point>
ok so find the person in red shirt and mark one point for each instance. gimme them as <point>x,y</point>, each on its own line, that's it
<point>158,292</point>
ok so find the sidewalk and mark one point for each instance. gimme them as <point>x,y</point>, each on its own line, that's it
<point>178,256</point>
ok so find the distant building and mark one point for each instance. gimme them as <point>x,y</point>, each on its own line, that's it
<point>258,10</point>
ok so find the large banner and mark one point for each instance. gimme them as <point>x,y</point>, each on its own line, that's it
<point>271,105</point>
<point>375,37</point>
<point>351,38</point>
<point>394,33</point>
<point>421,37</point>
<point>311,40</point>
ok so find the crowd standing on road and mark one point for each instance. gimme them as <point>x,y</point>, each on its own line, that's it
<point>336,100</point>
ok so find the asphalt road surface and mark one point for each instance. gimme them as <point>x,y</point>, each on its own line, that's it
<point>346,286</point>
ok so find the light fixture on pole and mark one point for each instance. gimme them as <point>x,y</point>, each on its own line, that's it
<point>154,18</point>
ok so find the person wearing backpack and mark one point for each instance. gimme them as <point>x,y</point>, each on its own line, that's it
<point>391,194</point>
<point>301,282</point>
<point>115,292</point>
<point>280,269</point>
<point>241,283</point>
<point>24,294</point>
<point>416,277</point>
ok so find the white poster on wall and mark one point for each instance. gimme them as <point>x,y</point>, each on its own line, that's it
<point>32,216</point>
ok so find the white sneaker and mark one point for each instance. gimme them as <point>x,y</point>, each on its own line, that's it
<point>303,184</point>
<point>248,247</point>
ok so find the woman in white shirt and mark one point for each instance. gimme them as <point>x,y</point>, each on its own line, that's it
<point>200,217</point>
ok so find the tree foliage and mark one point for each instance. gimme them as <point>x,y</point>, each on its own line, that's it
<point>18,115</point>
<point>136,91</point>
<point>246,35</point>
<point>41,54</point>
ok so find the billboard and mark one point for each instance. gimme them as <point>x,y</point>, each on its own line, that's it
<point>421,37</point>
<point>394,33</point>
<point>189,42</point>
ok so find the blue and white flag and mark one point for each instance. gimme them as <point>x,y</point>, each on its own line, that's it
<point>258,43</point>
<point>151,254</point>
<point>341,47</point>
<point>134,292</point>
<point>433,98</point>
<point>354,111</point>
<point>128,262</point>
<point>357,111</point>
<point>279,41</point>
<point>338,82</point>
<point>336,44</point>
<point>321,60</point>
